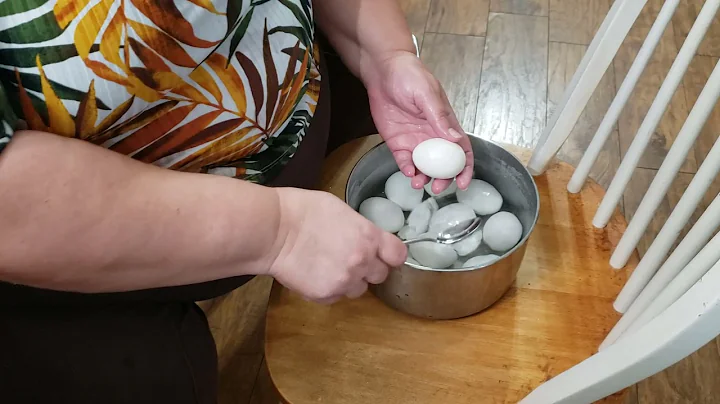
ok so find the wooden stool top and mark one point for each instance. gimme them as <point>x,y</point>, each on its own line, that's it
<point>560,309</point>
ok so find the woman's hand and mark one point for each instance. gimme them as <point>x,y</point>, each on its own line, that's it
<point>409,106</point>
<point>326,250</point>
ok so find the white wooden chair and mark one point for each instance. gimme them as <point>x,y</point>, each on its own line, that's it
<point>671,306</point>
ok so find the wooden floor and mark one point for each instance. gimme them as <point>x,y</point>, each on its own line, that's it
<point>504,65</point>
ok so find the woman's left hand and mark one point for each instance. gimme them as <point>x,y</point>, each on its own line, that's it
<point>409,106</point>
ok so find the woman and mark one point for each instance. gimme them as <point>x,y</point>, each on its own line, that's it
<point>114,113</point>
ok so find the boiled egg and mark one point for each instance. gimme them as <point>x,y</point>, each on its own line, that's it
<point>383,213</point>
<point>502,231</point>
<point>439,158</point>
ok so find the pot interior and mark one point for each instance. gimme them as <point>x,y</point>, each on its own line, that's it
<point>493,164</point>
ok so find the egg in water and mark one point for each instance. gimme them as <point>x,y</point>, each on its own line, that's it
<point>470,244</point>
<point>398,189</point>
<point>433,255</point>
<point>502,231</point>
<point>383,213</point>
<point>480,260</point>
<point>449,216</point>
<point>481,196</point>
<point>419,219</point>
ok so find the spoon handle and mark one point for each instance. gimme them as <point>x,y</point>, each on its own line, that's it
<point>418,239</point>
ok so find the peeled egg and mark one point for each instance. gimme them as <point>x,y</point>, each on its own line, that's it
<point>384,213</point>
<point>433,255</point>
<point>502,231</point>
<point>450,190</point>
<point>449,216</point>
<point>481,196</point>
<point>470,244</point>
<point>399,190</point>
<point>411,260</point>
<point>480,260</point>
<point>457,264</point>
<point>439,158</point>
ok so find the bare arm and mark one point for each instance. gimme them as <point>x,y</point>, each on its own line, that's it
<point>364,32</point>
<point>78,217</point>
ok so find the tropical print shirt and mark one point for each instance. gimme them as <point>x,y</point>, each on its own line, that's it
<point>224,87</point>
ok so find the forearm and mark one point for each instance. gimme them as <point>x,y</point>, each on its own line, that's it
<point>79,217</point>
<point>364,32</point>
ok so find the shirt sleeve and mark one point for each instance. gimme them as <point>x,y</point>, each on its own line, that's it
<point>8,120</point>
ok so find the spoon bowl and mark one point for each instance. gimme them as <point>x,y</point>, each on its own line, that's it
<point>452,234</point>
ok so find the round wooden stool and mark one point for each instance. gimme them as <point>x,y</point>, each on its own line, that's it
<point>362,352</point>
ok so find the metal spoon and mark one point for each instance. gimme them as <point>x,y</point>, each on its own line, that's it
<point>451,235</point>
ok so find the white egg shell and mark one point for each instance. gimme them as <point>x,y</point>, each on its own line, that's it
<point>384,213</point>
<point>470,244</point>
<point>481,196</point>
<point>450,190</point>
<point>399,190</point>
<point>449,216</point>
<point>439,158</point>
<point>480,260</point>
<point>433,255</point>
<point>502,231</point>
<point>419,219</point>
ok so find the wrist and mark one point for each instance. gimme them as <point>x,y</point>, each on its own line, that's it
<point>243,225</point>
<point>284,227</point>
<point>374,68</point>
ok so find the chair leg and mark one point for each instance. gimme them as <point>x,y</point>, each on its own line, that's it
<point>694,242</point>
<point>655,113</point>
<point>658,188</point>
<point>686,251</point>
<point>623,95</point>
<point>691,274</point>
<point>682,256</point>
<point>602,50</point>
<point>687,325</point>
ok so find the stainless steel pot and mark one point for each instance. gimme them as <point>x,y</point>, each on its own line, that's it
<point>453,293</point>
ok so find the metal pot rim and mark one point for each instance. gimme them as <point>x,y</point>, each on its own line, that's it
<point>501,257</point>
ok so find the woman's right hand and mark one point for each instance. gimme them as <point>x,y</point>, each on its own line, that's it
<point>326,250</point>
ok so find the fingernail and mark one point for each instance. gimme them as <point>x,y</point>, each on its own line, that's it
<point>454,133</point>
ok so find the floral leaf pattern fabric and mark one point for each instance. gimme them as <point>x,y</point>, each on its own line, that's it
<point>225,87</point>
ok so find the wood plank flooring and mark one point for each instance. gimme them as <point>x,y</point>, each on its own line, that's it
<point>513,84</point>
<point>504,65</point>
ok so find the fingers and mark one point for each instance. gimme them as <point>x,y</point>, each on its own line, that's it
<point>463,179</point>
<point>403,158</point>
<point>356,290</point>
<point>378,272</point>
<point>419,181</point>
<point>391,250</point>
<point>440,185</point>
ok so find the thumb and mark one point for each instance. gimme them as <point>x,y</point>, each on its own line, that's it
<point>392,250</point>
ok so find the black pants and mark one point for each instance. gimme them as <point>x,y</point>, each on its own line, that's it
<point>151,346</point>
